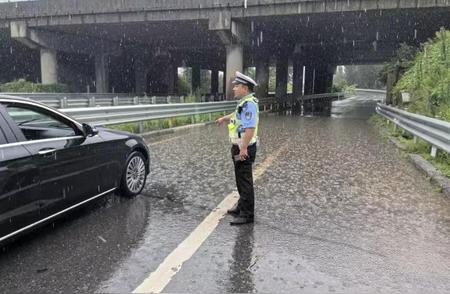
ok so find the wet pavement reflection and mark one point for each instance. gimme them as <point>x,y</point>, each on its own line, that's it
<point>342,210</point>
<point>241,275</point>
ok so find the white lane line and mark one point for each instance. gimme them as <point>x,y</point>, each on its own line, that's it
<point>161,277</point>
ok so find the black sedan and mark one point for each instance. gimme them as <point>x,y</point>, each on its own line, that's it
<point>50,164</point>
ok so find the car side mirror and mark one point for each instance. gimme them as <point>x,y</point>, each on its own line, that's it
<point>89,131</point>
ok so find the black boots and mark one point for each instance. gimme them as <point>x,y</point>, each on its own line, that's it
<point>242,220</point>
<point>234,211</point>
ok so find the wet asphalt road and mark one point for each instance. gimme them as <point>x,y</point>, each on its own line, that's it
<point>340,211</point>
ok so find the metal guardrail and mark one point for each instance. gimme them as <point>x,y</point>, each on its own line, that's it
<point>435,132</point>
<point>322,96</point>
<point>138,113</point>
<point>81,100</point>
<point>371,91</point>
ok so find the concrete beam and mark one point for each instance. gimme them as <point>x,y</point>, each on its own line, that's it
<point>79,44</point>
<point>229,31</point>
<point>65,12</point>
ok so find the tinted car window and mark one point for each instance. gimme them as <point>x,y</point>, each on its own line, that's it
<point>37,126</point>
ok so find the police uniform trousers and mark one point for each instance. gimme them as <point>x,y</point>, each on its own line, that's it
<point>244,180</point>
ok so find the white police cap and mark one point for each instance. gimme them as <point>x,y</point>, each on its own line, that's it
<point>243,79</point>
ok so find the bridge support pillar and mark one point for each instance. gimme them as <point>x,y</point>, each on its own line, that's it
<point>324,78</point>
<point>309,79</point>
<point>319,81</point>
<point>297,88</point>
<point>49,43</point>
<point>49,66</point>
<point>214,81</point>
<point>235,62</point>
<point>233,35</point>
<point>140,75</point>
<point>329,79</point>
<point>196,78</point>
<point>262,78</point>
<point>281,78</point>
<point>173,78</point>
<point>101,73</point>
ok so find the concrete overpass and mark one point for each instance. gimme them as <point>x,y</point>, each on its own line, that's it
<point>137,45</point>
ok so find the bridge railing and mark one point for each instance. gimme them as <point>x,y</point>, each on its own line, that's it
<point>310,104</point>
<point>434,131</point>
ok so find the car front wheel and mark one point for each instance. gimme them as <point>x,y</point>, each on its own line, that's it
<point>134,175</point>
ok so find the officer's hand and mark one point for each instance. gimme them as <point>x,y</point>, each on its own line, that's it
<point>220,121</point>
<point>243,154</point>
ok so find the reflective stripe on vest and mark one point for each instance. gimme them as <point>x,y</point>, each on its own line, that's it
<point>235,123</point>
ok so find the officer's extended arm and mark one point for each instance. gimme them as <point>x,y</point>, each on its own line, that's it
<point>224,119</point>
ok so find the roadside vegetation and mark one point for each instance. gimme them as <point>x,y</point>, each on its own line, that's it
<point>23,86</point>
<point>427,79</point>
<point>350,77</point>
<point>425,75</point>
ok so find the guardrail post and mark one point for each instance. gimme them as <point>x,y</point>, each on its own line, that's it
<point>169,99</point>
<point>193,119</point>
<point>153,100</point>
<point>63,102</point>
<point>141,127</point>
<point>433,151</point>
<point>210,117</point>
<point>136,100</point>
<point>92,102</point>
<point>181,99</point>
<point>115,101</point>
<point>415,139</point>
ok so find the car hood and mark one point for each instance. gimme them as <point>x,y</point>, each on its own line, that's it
<point>107,133</point>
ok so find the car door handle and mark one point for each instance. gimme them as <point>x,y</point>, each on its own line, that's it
<point>46,151</point>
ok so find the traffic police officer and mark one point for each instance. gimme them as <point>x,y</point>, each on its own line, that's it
<point>243,133</point>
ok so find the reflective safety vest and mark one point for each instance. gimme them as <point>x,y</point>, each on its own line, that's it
<point>235,128</point>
